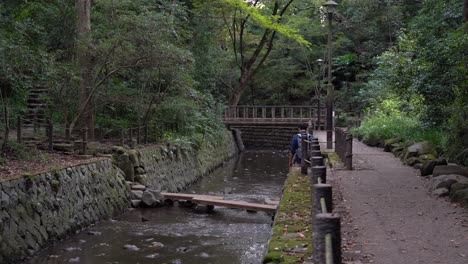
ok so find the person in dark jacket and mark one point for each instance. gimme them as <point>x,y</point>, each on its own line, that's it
<point>295,147</point>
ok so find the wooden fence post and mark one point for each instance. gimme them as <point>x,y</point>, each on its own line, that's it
<point>316,161</point>
<point>321,191</point>
<point>349,152</point>
<point>304,157</point>
<point>146,134</point>
<point>122,137</point>
<point>50,134</point>
<point>84,145</point>
<point>138,134</point>
<point>316,153</point>
<point>319,172</point>
<point>327,239</point>
<point>130,137</point>
<point>67,132</point>
<point>319,115</point>
<point>314,146</point>
<point>18,129</point>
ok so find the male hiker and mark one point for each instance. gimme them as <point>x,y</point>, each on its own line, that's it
<point>296,148</point>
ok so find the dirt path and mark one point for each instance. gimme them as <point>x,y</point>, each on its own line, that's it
<point>395,219</point>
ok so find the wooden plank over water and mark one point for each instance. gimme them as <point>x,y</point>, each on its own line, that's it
<point>219,200</point>
<point>236,204</point>
<point>189,196</point>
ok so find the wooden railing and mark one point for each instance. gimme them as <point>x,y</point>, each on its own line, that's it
<point>326,225</point>
<point>273,114</point>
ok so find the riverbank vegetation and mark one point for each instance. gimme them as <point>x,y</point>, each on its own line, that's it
<point>419,89</point>
<point>290,241</point>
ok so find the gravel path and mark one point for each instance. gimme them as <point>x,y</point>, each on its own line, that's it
<point>396,220</point>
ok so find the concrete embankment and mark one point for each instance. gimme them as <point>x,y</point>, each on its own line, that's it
<point>292,234</point>
<point>38,209</point>
<point>266,137</point>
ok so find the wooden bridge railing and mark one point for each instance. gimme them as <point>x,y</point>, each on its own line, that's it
<point>288,114</point>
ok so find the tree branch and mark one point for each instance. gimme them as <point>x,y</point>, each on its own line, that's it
<point>93,91</point>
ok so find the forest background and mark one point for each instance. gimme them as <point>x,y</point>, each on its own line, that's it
<point>398,64</point>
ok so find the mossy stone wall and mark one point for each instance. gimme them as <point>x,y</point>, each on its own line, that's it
<point>173,168</point>
<point>40,208</point>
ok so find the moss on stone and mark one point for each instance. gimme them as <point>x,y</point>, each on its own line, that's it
<point>332,157</point>
<point>55,185</point>
<point>292,228</point>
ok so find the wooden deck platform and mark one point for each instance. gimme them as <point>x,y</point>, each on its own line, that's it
<point>219,201</point>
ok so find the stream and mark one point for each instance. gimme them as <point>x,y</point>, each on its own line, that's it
<point>177,235</point>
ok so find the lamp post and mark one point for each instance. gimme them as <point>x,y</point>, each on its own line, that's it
<point>319,107</point>
<point>330,6</point>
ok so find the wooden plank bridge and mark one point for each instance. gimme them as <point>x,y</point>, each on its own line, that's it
<point>211,200</point>
<point>274,115</point>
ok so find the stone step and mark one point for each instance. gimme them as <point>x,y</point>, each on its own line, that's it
<point>84,157</point>
<point>30,123</point>
<point>39,114</point>
<point>36,105</point>
<point>36,97</point>
<point>33,100</point>
<point>38,91</point>
<point>32,143</point>
<point>63,147</point>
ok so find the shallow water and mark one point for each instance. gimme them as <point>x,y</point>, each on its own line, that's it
<point>180,235</point>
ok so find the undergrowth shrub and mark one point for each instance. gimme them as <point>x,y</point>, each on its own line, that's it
<point>21,152</point>
<point>385,120</point>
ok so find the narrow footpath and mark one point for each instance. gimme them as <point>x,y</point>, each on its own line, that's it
<point>396,220</point>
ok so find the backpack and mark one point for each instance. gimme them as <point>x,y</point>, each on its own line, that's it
<point>299,149</point>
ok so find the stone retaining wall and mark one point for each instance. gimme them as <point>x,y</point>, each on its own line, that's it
<point>35,210</point>
<point>48,206</point>
<point>267,137</point>
<point>174,168</point>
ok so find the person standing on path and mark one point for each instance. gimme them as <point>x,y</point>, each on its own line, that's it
<point>295,147</point>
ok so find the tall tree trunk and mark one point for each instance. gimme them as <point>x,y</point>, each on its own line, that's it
<point>243,82</point>
<point>465,11</point>
<point>5,118</point>
<point>86,65</point>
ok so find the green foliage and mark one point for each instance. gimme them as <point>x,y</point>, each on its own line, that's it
<point>458,124</point>
<point>386,120</point>
<point>28,176</point>
<point>193,125</point>
<point>426,65</point>
<point>171,63</point>
<point>269,22</point>
<point>21,152</point>
<point>55,185</point>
